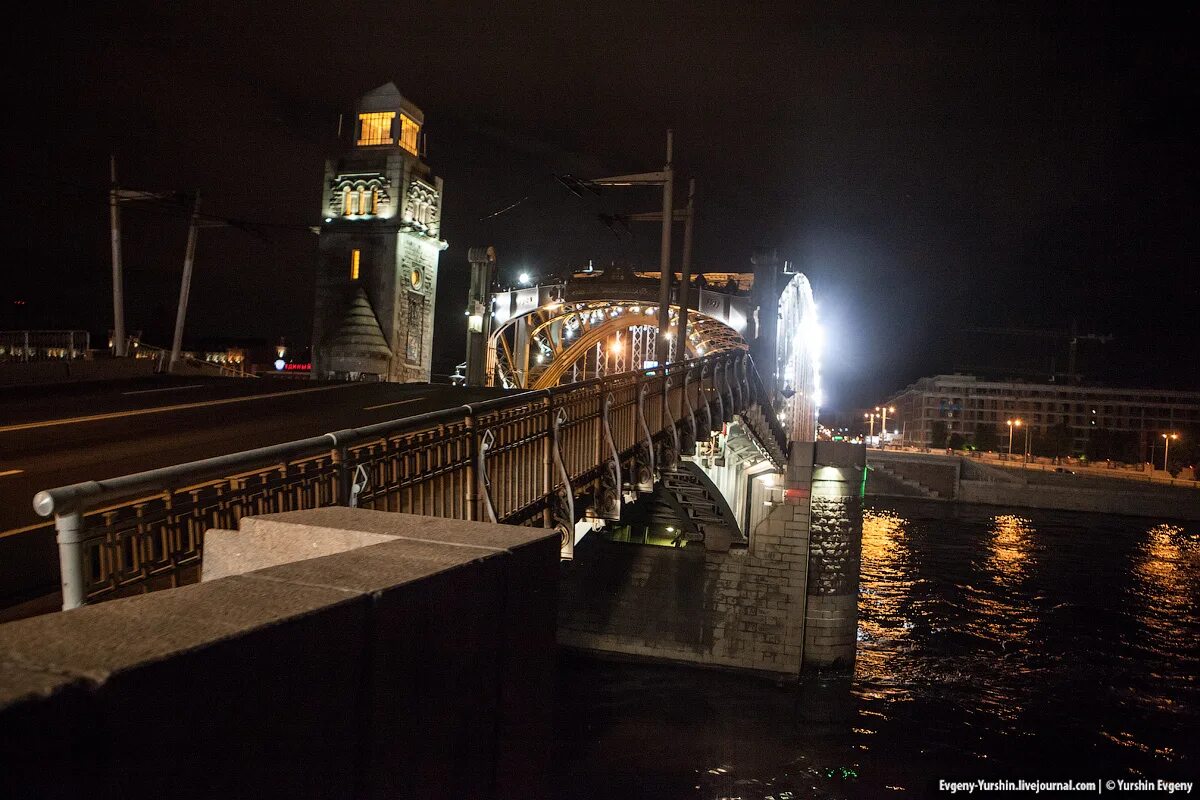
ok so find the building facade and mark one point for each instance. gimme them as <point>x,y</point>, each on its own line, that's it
<point>378,249</point>
<point>965,404</point>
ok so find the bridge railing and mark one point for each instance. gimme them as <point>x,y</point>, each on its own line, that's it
<point>519,459</point>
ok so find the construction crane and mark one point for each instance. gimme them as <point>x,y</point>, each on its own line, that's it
<point>1073,338</point>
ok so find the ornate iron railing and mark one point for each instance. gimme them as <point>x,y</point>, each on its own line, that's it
<point>521,459</point>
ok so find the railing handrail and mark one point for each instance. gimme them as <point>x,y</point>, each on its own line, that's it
<point>79,497</point>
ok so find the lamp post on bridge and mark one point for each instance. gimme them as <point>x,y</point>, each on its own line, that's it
<point>871,433</point>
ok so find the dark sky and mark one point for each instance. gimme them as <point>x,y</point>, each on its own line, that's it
<point>931,167</point>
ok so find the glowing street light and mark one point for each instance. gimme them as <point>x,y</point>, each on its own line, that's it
<point>1011,424</point>
<point>1167,447</point>
<point>883,425</point>
<point>524,279</point>
<point>872,418</point>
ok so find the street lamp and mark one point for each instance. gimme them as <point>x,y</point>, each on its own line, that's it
<point>1011,424</point>
<point>1167,447</point>
<point>883,425</point>
<point>524,279</point>
<point>1025,460</point>
<point>872,418</point>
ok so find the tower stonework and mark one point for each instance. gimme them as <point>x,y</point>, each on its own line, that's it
<point>379,247</point>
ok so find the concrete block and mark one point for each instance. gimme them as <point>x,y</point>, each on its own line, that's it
<point>408,526</point>
<point>236,552</point>
<point>238,659</point>
<point>406,668</point>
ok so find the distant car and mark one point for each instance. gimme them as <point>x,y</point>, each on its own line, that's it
<point>1064,470</point>
<point>459,378</point>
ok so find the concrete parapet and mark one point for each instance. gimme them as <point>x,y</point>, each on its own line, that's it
<point>422,666</point>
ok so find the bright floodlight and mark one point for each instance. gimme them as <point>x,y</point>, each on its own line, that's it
<point>523,279</point>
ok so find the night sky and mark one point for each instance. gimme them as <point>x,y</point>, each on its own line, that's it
<point>930,167</point>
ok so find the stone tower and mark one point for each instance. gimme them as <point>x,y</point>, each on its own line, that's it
<point>379,246</point>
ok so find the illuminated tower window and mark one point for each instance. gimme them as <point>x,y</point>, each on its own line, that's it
<point>355,255</point>
<point>408,134</point>
<point>376,128</point>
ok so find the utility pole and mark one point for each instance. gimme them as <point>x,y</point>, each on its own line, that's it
<point>666,179</point>
<point>685,274</point>
<point>185,283</point>
<point>114,216</point>
<point>664,284</point>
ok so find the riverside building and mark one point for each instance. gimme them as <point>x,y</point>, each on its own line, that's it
<point>965,404</point>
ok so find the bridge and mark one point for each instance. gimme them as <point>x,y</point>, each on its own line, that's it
<point>712,455</point>
<point>633,468</point>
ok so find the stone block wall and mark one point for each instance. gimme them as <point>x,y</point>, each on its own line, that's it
<point>740,608</point>
<point>941,478</point>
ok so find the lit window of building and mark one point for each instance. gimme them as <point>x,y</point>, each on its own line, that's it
<point>408,134</point>
<point>355,255</point>
<point>375,128</point>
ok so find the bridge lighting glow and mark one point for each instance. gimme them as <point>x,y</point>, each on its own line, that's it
<point>524,279</point>
<point>541,358</point>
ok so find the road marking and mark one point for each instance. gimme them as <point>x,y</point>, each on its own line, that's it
<point>50,423</point>
<point>168,389</point>
<point>11,472</point>
<point>397,403</point>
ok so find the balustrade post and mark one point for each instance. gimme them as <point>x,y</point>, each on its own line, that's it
<point>549,443</point>
<point>472,487</point>
<point>69,532</point>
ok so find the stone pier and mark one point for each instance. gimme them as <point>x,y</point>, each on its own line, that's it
<point>770,607</point>
<point>835,552</point>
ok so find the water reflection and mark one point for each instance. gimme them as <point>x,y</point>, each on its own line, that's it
<point>884,597</point>
<point>992,643</point>
<point>1009,547</point>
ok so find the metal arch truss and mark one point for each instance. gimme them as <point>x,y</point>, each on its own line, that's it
<point>797,366</point>
<point>572,342</point>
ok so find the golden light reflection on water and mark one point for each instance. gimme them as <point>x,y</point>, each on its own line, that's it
<point>1165,567</point>
<point>1009,548</point>
<point>883,628</point>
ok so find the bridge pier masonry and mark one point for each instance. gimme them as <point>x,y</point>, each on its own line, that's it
<point>783,604</point>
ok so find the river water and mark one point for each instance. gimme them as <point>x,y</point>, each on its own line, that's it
<point>992,643</point>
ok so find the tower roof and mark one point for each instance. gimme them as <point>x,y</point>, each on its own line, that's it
<point>388,98</point>
<point>358,332</point>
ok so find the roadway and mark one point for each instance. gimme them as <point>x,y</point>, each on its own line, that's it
<point>56,435</point>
